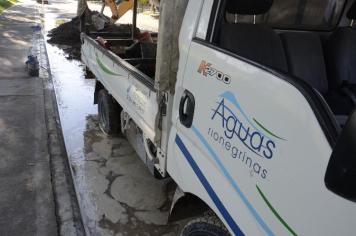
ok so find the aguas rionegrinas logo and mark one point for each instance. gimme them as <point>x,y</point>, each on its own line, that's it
<point>237,125</point>
<point>241,137</point>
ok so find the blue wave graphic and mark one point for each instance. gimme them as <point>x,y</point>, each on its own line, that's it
<point>226,173</point>
<point>231,98</point>
<point>209,189</point>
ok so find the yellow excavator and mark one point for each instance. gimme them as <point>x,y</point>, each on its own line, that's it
<point>118,9</point>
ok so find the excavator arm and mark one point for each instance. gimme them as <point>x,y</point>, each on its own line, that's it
<point>100,20</point>
<point>118,10</point>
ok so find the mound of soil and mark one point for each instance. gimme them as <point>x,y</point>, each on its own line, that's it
<point>68,34</point>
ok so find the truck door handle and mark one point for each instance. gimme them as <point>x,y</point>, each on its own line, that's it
<point>186,109</point>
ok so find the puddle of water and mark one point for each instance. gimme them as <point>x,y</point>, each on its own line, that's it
<point>74,96</point>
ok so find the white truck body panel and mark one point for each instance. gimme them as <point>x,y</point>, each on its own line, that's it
<point>136,98</point>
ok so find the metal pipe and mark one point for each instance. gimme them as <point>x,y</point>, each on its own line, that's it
<point>134,19</point>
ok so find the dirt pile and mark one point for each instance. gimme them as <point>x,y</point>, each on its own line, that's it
<point>67,35</point>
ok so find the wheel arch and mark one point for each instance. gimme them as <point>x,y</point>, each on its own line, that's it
<point>186,205</point>
<point>98,87</point>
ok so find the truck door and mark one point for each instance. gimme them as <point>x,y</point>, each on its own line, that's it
<point>248,143</point>
<point>206,151</point>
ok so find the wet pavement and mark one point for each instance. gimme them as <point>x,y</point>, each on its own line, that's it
<point>116,193</point>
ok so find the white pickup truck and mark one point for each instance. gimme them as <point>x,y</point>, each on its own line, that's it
<point>246,104</point>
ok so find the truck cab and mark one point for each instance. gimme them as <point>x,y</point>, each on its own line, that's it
<point>248,105</point>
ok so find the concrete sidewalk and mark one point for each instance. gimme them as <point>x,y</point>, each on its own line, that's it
<point>27,197</point>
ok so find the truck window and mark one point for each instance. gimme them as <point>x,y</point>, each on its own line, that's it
<point>251,33</point>
<point>298,14</point>
<point>258,43</point>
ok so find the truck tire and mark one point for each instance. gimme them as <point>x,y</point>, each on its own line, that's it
<point>206,225</point>
<point>109,113</point>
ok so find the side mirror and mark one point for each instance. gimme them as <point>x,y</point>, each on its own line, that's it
<point>340,176</point>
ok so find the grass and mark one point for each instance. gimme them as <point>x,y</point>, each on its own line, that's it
<point>6,4</point>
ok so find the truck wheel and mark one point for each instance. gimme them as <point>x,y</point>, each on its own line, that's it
<point>206,225</point>
<point>109,113</point>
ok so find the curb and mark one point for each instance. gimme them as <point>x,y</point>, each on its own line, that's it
<point>69,221</point>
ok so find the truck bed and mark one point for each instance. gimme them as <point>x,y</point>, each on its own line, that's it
<point>126,69</point>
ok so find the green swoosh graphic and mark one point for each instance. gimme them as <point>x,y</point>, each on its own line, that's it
<point>275,212</point>
<point>104,68</point>
<point>269,132</point>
